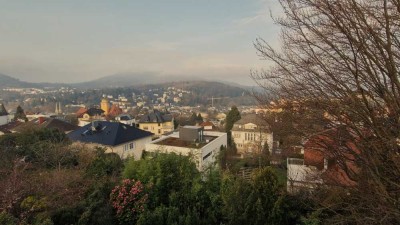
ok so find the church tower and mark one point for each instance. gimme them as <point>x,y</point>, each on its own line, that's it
<point>57,111</point>
<point>59,108</point>
<point>105,106</point>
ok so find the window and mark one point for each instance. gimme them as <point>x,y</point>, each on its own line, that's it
<point>131,145</point>
<point>145,128</point>
<point>206,156</point>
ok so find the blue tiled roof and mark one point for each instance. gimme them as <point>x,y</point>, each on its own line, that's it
<point>108,133</point>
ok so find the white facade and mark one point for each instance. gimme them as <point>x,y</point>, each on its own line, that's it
<point>249,139</point>
<point>203,157</point>
<point>125,150</point>
<point>129,149</point>
<point>4,120</point>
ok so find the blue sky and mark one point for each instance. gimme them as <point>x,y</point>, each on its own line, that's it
<point>72,41</point>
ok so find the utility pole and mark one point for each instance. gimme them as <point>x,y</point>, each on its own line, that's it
<point>212,100</point>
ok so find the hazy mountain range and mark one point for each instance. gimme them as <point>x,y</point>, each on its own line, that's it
<point>113,81</point>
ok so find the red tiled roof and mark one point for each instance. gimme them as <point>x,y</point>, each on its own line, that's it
<point>207,123</point>
<point>81,111</point>
<point>115,110</point>
<point>337,148</point>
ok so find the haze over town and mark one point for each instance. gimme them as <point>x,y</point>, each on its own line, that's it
<point>75,41</point>
<point>199,112</point>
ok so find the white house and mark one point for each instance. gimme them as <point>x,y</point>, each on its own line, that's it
<point>251,133</point>
<point>118,138</point>
<point>202,146</point>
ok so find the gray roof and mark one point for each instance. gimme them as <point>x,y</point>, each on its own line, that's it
<point>251,118</point>
<point>59,124</point>
<point>156,117</point>
<point>94,111</point>
<point>124,117</point>
<point>51,123</point>
<point>108,133</point>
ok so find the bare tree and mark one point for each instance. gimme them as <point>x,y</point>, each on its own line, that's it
<point>342,57</point>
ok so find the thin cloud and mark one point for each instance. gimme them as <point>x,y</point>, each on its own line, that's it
<point>250,20</point>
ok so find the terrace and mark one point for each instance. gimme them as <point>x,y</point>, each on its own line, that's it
<point>177,142</point>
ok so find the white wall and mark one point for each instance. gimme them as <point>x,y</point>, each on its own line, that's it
<point>213,147</point>
<point>3,120</point>
<point>243,145</point>
<point>136,152</point>
<point>124,150</point>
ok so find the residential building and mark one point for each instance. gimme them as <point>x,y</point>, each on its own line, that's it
<point>208,125</point>
<point>156,122</point>
<point>118,138</point>
<point>251,133</point>
<point>46,122</point>
<point>126,119</point>
<point>86,116</point>
<point>202,146</point>
<point>9,127</point>
<point>325,156</point>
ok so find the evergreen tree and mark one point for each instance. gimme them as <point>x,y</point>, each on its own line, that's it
<point>199,118</point>
<point>20,114</point>
<point>193,119</point>
<point>231,118</point>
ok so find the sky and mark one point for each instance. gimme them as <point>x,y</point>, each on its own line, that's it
<point>80,40</point>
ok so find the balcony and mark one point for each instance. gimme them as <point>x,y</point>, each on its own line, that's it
<point>295,161</point>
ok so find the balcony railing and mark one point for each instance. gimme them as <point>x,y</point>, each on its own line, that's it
<point>295,161</point>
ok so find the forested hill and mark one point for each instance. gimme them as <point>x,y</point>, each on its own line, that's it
<point>7,81</point>
<point>11,82</point>
<point>203,88</point>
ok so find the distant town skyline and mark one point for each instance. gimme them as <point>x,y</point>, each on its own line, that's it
<point>76,41</point>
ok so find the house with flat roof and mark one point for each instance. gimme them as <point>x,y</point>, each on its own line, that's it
<point>202,146</point>
<point>118,138</point>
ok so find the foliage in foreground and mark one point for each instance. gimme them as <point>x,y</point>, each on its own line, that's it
<point>167,188</point>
